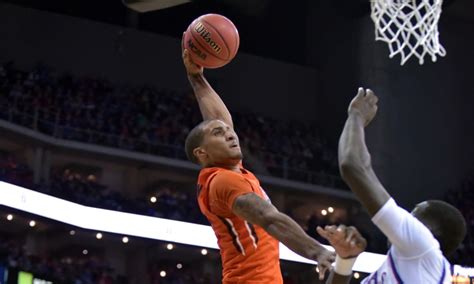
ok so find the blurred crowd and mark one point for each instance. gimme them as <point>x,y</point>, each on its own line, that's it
<point>463,199</point>
<point>152,120</point>
<point>15,172</point>
<point>168,200</point>
<point>55,268</point>
<point>172,200</point>
<point>73,268</point>
<point>184,274</point>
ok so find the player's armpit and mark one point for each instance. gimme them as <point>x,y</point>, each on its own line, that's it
<point>254,209</point>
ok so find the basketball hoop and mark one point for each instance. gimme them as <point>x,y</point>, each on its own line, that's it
<point>409,27</point>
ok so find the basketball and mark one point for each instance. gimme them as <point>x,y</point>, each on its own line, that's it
<point>212,40</point>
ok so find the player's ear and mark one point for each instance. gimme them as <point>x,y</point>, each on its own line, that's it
<point>199,153</point>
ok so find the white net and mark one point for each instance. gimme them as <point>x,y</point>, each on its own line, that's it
<point>409,27</point>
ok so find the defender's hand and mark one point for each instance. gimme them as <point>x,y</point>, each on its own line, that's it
<point>364,105</point>
<point>191,67</point>
<point>347,241</point>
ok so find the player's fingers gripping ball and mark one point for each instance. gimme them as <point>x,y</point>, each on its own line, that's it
<point>212,40</point>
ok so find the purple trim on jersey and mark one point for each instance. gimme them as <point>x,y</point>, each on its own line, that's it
<point>444,273</point>
<point>399,279</point>
<point>395,272</point>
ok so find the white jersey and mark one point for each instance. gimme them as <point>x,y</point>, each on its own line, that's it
<point>414,257</point>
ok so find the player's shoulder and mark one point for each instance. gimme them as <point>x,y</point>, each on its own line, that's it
<point>213,172</point>
<point>226,176</point>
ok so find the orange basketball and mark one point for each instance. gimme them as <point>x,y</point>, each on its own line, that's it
<point>212,40</point>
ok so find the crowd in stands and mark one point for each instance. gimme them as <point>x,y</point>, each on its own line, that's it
<point>186,273</point>
<point>13,171</point>
<point>71,268</point>
<point>463,199</point>
<point>54,268</point>
<point>151,120</point>
<point>172,202</point>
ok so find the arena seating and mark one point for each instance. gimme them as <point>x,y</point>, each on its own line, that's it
<point>155,121</point>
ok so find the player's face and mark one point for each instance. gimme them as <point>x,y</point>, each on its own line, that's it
<point>221,144</point>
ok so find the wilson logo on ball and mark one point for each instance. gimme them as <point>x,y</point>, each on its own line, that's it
<point>206,35</point>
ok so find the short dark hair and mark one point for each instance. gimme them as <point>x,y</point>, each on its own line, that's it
<point>194,140</point>
<point>445,222</point>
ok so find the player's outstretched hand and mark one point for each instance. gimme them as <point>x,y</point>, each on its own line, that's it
<point>364,104</point>
<point>325,258</point>
<point>191,67</point>
<point>347,241</point>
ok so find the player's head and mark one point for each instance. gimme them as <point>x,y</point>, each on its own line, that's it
<point>213,143</point>
<point>445,222</point>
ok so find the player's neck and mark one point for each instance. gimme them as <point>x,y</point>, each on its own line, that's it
<point>235,167</point>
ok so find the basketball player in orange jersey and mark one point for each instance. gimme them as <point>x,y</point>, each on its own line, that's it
<point>247,226</point>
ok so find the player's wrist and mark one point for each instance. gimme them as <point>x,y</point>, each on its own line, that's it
<point>355,114</point>
<point>343,266</point>
<point>192,74</point>
<point>196,79</point>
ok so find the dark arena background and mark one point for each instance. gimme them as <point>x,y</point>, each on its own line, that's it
<point>95,106</point>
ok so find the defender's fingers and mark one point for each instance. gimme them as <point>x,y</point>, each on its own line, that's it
<point>330,228</point>
<point>341,228</point>
<point>350,234</point>
<point>323,233</point>
<point>372,96</point>
<point>359,240</point>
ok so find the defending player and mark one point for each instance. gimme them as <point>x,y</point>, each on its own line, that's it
<point>420,241</point>
<point>248,227</point>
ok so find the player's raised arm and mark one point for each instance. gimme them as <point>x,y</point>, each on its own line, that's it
<point>255,210</point>
<point>354,158</point>
<point>210,104</point>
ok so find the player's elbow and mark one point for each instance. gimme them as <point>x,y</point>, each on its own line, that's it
<point>267,219</point>
<point>254,209</point>
<point>351,169</point>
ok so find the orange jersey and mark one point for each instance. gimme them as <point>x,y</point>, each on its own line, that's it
<point>249,254</point>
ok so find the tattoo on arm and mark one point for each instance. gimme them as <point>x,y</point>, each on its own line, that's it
<point>253,209</point>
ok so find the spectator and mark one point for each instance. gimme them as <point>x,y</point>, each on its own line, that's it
<point>151,120</point>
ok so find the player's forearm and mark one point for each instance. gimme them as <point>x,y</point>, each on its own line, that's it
<point>288,232</point>
<point>356,167</point>
<point>210,104</point>
<point>353,151</point>
<point>335,278</point>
